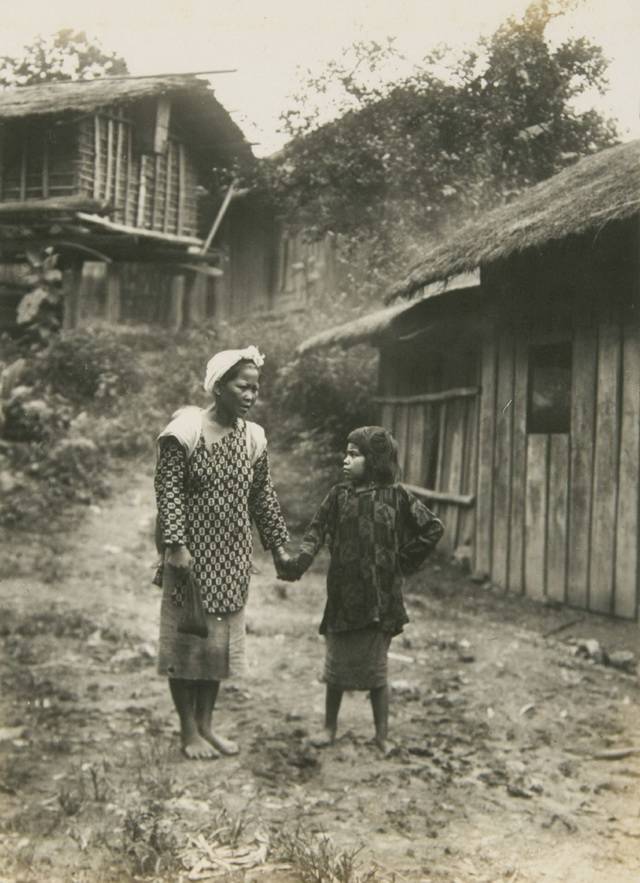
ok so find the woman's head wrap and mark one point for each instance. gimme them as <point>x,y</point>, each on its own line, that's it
<point>222,362</point>
<point>380,451</point>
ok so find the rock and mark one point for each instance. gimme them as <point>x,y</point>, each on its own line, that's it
<point>479,577</point>
<point>465,653</point>
<point>590,649</point>
<point>405,689</point>
<point>625,660</point>
<point>11,376</point>
<point>8,482</point>
<point>463,556</point>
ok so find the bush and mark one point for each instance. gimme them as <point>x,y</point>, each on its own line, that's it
<point>86,365</point>
<point>331,391</point>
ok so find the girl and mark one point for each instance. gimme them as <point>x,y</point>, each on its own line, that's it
<point>376,531</point>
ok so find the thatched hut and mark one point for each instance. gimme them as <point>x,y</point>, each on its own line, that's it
<point>516,401</point>
<point>109,171</point>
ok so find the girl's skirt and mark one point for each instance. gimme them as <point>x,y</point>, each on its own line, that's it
<point>356,660</point>
<point>219,656</point>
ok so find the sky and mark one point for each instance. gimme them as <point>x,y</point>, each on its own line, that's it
<point>270,43</point>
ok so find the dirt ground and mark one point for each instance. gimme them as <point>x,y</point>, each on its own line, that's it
<point>495,721</point>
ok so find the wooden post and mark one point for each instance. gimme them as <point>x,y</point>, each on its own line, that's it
<point>45,169</point>
<point>142,190</point>
<point>127,176</point>
<point>107,188</point>
<point>167,189</point>
<point>119,145</point>
<point>23,171</point>
<point>1,162</point>
<point>96,157</point>
<point>219,217</point>
<point>161,131</point>
<point>112,305</point>
<point>176,303</point>
<point>71,282</point>
<point>181,188</point>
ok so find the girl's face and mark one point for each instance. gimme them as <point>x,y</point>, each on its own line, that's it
<point>354,466</point>
<point>236,396</point>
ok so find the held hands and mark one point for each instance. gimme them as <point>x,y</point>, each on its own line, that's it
<point>286,566</point>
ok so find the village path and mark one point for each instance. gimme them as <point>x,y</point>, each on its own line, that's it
<point>492,777</point>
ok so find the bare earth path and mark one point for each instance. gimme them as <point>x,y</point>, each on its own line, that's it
<point>492,777</point>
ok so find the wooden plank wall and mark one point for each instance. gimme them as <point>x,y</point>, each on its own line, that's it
<point>557,515</point>
<point>157,192</point>
<point>451,426</point>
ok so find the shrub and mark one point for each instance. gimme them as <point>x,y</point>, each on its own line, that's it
<point>331,391</point>
<point>86,365</point>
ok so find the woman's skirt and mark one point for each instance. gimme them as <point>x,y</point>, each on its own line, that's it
<point>356,660</point>
<point>219,656</point>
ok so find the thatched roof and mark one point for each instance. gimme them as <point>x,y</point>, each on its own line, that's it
<point>373,326</point>
<point>210,121</point>
<point>586,196</point>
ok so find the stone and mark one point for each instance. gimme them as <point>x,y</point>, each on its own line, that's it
<point>625,660</point>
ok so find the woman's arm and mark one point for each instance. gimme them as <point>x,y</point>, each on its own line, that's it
<point>169,484</point>
<point>264,508</point>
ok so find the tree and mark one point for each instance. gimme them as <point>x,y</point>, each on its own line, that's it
<point>457,135</point>
<point>66,55</point>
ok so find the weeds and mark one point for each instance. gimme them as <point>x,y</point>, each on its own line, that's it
<point>148,840</point>
<point>317,859</point>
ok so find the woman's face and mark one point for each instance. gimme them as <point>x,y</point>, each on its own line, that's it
<point>236,396</point>
<point>353,465</point>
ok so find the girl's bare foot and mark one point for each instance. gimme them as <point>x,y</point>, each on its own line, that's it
<point>323,739</point>
<point>224,746</point>
<point>383,746</point>
<point>196,748</point>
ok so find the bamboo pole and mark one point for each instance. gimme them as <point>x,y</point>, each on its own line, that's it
<point>219,217</point>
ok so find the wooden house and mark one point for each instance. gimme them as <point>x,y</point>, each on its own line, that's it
<point>510,373</point>
<point>107,172</point>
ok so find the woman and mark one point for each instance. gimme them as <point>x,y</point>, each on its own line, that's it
<point>212,478</point>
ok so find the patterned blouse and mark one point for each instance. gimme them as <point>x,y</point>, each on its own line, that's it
<point>375,534</point>
<point>207,503</point>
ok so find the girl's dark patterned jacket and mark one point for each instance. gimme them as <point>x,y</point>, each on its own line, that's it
<point>375,535</point>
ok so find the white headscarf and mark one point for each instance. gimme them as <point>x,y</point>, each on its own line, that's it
<point>218,366</point>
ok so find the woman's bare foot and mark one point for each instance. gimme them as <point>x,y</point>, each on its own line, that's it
<point>323,739</point>
<point>196,748</point>
<point>224,746</point>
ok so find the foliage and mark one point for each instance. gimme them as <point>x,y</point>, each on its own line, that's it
<point>39,314</point>
<point>415,156</point>
<point>331,391</point>
<point>65,55</point>
<point>58,430</point>
<point>87,365</point>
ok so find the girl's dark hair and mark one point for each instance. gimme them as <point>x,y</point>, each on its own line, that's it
<point>380,451</point>
<point>234,370</point>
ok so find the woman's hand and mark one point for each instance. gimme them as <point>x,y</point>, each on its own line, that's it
<point>285,565</point>
<point>179,557</point>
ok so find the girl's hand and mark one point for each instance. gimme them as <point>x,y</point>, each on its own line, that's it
<point>179,557</point>
<point>285,565</point>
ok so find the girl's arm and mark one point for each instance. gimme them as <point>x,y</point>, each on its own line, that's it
<point>314,536</point>
<point>169,483</point>
<point>264,508</point>
<point>422,533</point>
